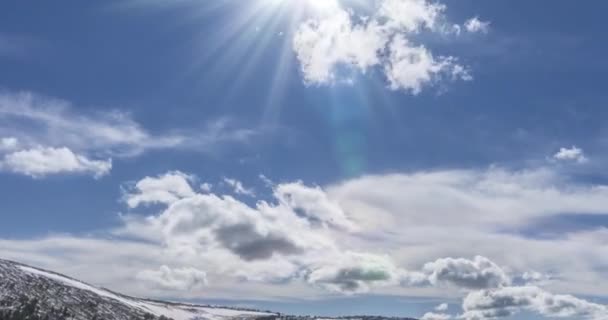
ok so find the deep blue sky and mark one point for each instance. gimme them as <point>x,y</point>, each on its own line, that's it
<point>538,86</point>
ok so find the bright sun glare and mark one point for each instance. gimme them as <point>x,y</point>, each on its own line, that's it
<point>321,4</point>
<point>312,4</point>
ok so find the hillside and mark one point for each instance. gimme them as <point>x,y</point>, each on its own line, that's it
<point>31,293</point>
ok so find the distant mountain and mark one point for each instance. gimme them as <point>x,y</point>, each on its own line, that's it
<point>32,294</point>
<point>28,293</point>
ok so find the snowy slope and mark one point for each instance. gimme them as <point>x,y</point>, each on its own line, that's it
<point>54,291</point>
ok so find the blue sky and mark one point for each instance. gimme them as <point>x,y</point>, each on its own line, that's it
<point>384,138</point>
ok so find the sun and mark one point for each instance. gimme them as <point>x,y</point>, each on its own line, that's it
<point>317,5</point>
<point>322,4</point>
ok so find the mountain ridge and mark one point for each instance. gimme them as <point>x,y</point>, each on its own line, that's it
<point>54,293</point>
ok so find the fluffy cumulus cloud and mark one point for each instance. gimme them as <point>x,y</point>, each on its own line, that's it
<point>293,233</point>
<point>174,279</point>
<point>323,44</point>
<point>332,45</point>
<point>297,229</point>
<point>38,132</point>
<point>571,154</point>
<point>479,273</point>
<point>384,234</point>
<point>40,162</point>
<point>202,220</point>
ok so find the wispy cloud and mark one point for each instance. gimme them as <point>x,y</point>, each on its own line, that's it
<point>35,131</point>
<point>239,188</point>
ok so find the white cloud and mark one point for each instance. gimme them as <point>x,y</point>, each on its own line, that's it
<point>206,187</point>
<point>411,15</point>
<point>239,188</point>
<point>294,234</point>
<point>292,245</point>
<point>53,122</point>
<point>308,235</point>
<point>41,162</point>
<point>202,220</point>
<point>469,198</point>
<point>507,301</point>
<point>321,45</point>
<point>267,181</point>
<point>174,279</point>
<point>571,154</point>
<point>475,25</point>
<point>313,204</point>
<point>332,45</point>
<point>165,189</point>
<point>412,67</point>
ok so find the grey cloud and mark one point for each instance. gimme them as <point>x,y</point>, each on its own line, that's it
<point>203,220</point>
<point>249,244</point>
<point>352,272</point>
<point>479,273</point>
<point>507,301</point>
<point>355,279</point>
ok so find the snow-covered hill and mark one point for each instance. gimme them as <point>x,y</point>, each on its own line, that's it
<point>56,294</point>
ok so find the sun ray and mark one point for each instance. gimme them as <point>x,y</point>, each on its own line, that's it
<point>281,74</point>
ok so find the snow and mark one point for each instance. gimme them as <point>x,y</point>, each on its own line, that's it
<point>176,312</point>
<point>79,285</point>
